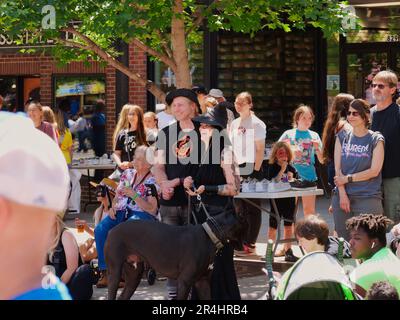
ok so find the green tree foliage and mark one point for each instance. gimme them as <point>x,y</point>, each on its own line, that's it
<point>165,29</point>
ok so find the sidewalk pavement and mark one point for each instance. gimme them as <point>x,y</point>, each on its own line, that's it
<point>251,288</point>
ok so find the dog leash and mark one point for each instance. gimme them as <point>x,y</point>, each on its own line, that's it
<point>216,241</point>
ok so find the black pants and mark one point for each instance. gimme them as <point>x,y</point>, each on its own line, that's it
<point>80,285</point>
<point>286,207</point>
<point>224,285</point>
<point>250,219</point>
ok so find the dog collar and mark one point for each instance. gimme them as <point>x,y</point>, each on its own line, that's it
<point>212,236</point>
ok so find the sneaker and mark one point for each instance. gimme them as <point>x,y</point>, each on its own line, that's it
<point>290,257</point>
<point>246,251</point>
<point>303,185</point>
<point>262,186</point>
<point>250,248</point>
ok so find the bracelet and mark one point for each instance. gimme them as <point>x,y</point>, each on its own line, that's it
<point>211,189</point>
<point>181,181</point>
<point>135,196</point>
<point>349,178</point>
<point>214,189</point>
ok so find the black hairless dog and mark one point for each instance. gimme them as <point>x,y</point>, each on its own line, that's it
<point>183,253</point>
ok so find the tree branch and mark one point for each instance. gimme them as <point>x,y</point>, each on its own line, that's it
<point>74,44</point>
<point>92,46</point>
<point>167,60</point>
<point>200,17</point>
<point>164,44</point>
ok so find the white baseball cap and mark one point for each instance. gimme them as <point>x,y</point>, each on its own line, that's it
<point>33,170</point>
<point>216,93</point>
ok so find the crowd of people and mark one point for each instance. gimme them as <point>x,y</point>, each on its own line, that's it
<point>200,148</point>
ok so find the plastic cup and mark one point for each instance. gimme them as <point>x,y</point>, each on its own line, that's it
<point>80,226</point>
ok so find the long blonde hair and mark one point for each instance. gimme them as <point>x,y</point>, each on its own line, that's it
<point>48,115</point>
<point>123,124</point>
<point>59,226</point>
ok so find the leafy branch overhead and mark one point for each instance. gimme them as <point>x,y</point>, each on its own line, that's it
<point>164,29</point>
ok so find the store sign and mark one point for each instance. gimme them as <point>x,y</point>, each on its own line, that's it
<point>28,40</point>
<point>75,87</point>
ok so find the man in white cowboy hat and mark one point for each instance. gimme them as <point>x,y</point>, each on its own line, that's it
<point>34,187</point>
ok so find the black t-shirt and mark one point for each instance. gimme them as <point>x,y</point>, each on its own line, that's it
<point>387,122</point>
<point>182,155</point>
<point>59,261</point>
<point>126,143</point>
<point>273,170</point>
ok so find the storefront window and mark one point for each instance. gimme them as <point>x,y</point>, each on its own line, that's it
<point>77,97</point>
<point>276,68</point>
<point>8,90</point>
<point>365,36</point>
<point>362,68</point>
<point>81,92</point>
<point>333,72</point>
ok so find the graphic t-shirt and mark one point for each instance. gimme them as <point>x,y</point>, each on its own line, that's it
<point>243,134</point>
<point>126,143</point>
<point>182,150</point>
<point>356,157</point>
<point>54,290</point>
<point>127,178</point>
<point>382,266</point>
<point>303,141</point>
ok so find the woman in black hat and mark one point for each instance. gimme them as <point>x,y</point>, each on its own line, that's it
<point>217,180</point>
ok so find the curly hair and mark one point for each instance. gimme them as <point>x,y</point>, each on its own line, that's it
<point>374,225</point>
<point>382,290</point>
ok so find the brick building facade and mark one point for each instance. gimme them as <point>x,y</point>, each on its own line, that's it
<point>45,68</point>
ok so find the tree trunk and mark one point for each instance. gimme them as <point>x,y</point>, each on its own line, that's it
<point>179,49</point>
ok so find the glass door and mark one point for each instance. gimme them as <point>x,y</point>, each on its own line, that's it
<point>361,69</point>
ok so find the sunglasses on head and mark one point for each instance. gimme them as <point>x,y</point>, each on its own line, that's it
<point>353,113</point>
<point>380,86</point>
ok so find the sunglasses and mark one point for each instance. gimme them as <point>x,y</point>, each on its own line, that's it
<point>380,86</point>
<point>353,113</point>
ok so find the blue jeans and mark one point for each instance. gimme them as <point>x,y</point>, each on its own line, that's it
<point>82,136</point>
<point>104,227</point>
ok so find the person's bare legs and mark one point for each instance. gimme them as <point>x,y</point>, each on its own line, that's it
<point>308,205</point>
<point>287,234</point>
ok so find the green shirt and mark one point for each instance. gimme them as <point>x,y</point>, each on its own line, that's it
<point>382,266</point>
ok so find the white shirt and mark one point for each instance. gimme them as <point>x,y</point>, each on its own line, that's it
<point>164,119</point>
<point>243,134</point>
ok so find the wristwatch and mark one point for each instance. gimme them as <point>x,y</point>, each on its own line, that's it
<point>349,178</point>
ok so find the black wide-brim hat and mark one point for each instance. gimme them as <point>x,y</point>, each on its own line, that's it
<point>183,92</point>
<point>217,116</point>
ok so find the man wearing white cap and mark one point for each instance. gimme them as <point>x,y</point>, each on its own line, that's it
<point>34,184</point>
<point>219,96</point>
